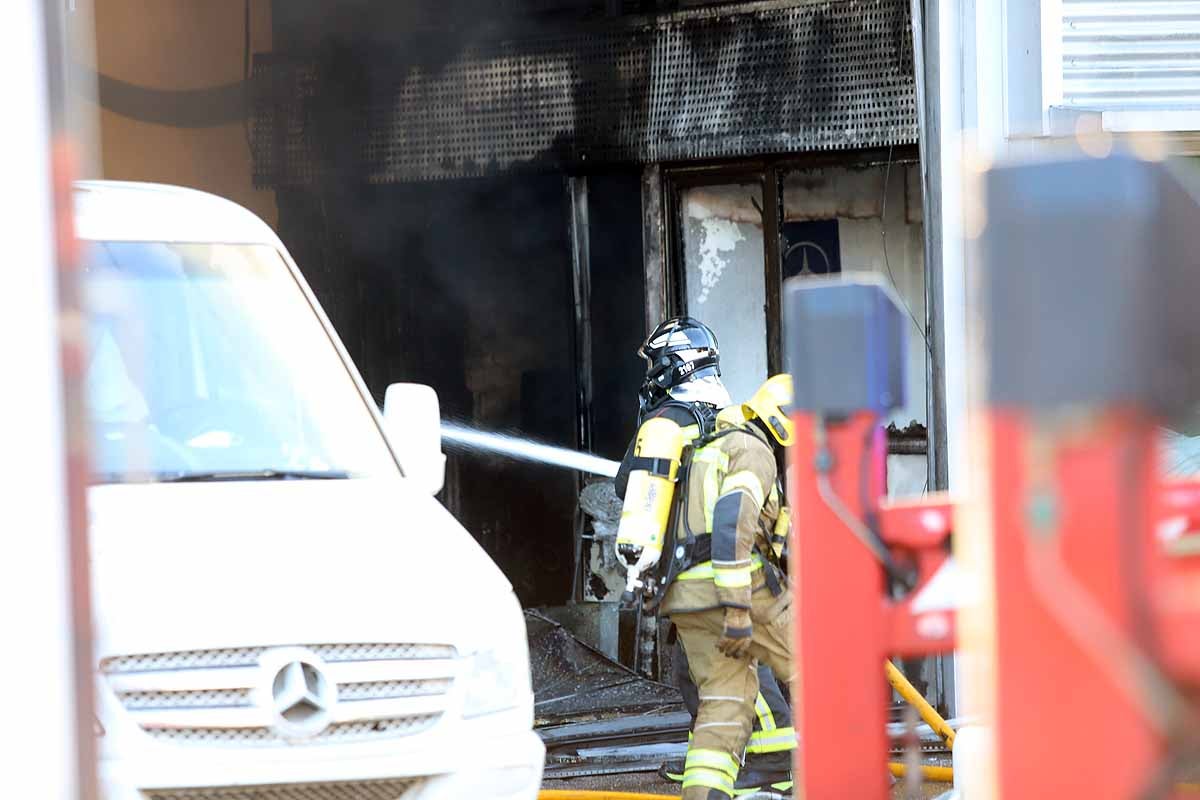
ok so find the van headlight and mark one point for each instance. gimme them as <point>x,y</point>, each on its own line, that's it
<point>497,677</point>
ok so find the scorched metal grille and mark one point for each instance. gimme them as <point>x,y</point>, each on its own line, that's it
<point>817,76</point>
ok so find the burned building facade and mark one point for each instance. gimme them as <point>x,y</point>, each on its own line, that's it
<point>501,199</point>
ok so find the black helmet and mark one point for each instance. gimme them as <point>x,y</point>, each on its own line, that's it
<point>678,350</point>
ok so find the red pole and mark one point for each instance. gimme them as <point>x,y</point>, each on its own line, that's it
<point>1091,335</point>
<point>1074,508</point>
<point>845,345</point>
<point>839,695</point>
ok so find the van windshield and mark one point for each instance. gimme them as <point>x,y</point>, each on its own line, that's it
<point>206,362</point>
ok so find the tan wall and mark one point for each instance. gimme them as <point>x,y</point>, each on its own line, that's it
<point>180,45</point>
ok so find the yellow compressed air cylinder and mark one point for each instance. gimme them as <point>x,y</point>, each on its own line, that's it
<point>651,487</point>
<point>783,525</point>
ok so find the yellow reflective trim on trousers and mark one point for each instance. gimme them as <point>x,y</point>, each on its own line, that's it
<point>704,570</point>
<point>777,741</point>
<point>711,759</point>
<point>702,776</point>
<point>731,578</point>
<point>766,719</point>
<point>748,481</point>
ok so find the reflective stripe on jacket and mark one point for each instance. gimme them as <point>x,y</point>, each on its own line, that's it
<point>730,495</point>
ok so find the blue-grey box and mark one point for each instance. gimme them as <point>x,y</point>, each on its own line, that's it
<point>1091,285</point>
<point>844,344</point>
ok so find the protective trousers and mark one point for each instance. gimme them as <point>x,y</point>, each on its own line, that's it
<point>772,739</point>
<point>728,688</point>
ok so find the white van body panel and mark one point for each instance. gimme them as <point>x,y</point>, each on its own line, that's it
<point>138,212</point>
<point>187,574</point>
<point>314,561</point>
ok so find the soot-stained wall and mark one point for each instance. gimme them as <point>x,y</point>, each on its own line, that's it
<point>617,308</point>
<point>464,285</point>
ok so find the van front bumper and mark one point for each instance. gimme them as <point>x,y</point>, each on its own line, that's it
<point>501,767</point>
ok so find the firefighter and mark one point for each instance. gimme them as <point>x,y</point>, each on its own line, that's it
<point>683,385</point>
<point>728,599</point>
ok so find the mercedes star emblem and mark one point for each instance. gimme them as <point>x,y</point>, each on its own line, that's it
<point>301,697</point>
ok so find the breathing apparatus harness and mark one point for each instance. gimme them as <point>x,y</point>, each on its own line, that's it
<point>660,450</point>
<point>684,553</point>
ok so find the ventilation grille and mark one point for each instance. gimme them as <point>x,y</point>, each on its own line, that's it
<point>236,698</point>
<point>386,690</point>
<point>340,733</point>
<point>702,84</point>
<point>248,656</point>
<point>226,697</point>
<point>201,698</point>
<point>344,790</point>
<point>1131,55</point>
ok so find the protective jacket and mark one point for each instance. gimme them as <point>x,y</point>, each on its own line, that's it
<point>730,513</point>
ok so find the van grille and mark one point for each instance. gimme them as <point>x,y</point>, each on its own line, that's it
<point>342,790</point>
<point>223,697</point>
<point>249,656</point>
<point>379,690</point>
<point>339,733</point>
<point>236,698</point>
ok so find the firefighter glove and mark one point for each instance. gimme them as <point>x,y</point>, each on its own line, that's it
<point>736,636</point>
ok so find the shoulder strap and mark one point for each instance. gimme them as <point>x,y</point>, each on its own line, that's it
<point>709,438</point>
<point>697,411</point>
<point>703,414</point>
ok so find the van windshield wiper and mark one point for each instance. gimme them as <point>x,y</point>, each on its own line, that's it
<point>253,475</point>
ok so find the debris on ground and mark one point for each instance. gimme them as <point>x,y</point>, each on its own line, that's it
<point>575,682</point>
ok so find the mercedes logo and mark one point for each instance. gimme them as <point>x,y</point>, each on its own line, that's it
<point>820,263</point>
<point>299,697</point>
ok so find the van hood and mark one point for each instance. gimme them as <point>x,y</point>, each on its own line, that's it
<point>266,563</point>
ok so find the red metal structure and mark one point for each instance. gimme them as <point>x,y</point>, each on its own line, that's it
<point>1091,664</point>
<point>1095,608</point>
<point>859,565</point>
<point>1093,345</point>
<point>846,625</point>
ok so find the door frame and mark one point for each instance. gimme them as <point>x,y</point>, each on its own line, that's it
<point>769,173</point>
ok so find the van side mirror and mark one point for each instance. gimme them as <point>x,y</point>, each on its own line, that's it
<point>413,421</point>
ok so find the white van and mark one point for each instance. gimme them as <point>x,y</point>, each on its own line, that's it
<point>283,610</point>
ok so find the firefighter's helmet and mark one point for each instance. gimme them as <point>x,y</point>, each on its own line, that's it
<point>769,404</point>
<point>679,350</point>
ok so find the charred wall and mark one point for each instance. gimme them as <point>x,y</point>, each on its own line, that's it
<point>618,317</point>
<point>464,286</point>
<point>554,93</point>
<point>419,153</point>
